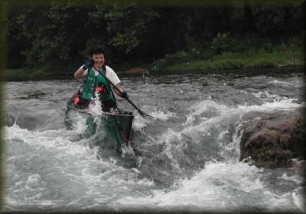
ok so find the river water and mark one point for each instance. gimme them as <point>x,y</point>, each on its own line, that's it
<point>185,159</point>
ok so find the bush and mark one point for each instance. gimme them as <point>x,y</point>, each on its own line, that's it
<point>253,54</point>
<point>293,51</point>
<point>222,43</point>
<point>261,63</point>
<point>226,64</point>
<point>180,57</point>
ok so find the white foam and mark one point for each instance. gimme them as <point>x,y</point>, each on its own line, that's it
<point>295,178</point>
<point>95,107</point>
<point>160,115</point>
<point>206,189</point>
<point>284,83</point>
<point>298,196</point>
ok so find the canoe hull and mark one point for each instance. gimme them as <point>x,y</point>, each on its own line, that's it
<point>117,127</point>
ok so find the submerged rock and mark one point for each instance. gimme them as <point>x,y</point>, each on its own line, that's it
<point>273,139</point>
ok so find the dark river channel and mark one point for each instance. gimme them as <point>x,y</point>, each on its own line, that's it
<point>185,159</point>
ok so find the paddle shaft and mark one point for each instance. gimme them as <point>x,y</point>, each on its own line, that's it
<point>141,112</point>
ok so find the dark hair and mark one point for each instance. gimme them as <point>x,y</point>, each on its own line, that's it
<point>96,50</point>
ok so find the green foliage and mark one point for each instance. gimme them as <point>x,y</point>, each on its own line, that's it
<point>222,43</point>
<point>252,58</point>
<point>293,51</point>
<point>187,66</point>
<point>157,65</point>
<point>182,56</point>
<point>51,32</point>
<point>20,74</point>
<point>226,64</point>
<point>24,74</point>
<point>261,63</point>
<point>60,33</point>
<point>207,65</point>
<point>169,60</point>
<point>126,24</point>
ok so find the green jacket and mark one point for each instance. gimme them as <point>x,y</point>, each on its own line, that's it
<point>98,83</point>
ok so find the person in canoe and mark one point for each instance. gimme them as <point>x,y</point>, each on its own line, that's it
<point>95,81</point>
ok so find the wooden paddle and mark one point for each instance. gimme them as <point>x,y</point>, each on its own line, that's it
<point>143,114</point>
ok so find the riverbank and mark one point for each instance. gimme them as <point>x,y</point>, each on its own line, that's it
<point>278,57</point>
<point>182,63</point>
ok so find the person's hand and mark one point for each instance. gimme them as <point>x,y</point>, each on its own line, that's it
<point>124,95</point>
<point>88,64</point>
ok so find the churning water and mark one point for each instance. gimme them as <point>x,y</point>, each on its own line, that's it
<point>186,159</point>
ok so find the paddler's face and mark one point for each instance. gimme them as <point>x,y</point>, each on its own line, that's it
<point>99,60</point>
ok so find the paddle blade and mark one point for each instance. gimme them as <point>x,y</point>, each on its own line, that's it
<point>143,114</point>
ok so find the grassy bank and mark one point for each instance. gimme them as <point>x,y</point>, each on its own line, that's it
<point>238,61</point>
<point>283,55</point>
<point>24,74</point>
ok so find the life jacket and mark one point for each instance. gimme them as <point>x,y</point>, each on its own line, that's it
<point>98,83</point>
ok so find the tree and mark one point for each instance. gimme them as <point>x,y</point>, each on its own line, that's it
<point>62,32</point>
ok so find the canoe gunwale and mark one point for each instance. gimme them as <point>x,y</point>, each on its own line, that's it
<point>85,111</point>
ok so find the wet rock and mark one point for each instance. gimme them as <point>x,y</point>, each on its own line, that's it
<point>273,139</point>
<point>23,121</point>
<point>9,120</point>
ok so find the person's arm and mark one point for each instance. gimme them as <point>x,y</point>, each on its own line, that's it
<point>119,86</point>
<point>116,81</point>
<point>122,93</point>
<point>79,73</point>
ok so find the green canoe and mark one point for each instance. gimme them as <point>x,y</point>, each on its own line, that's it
<point>118,128</point>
